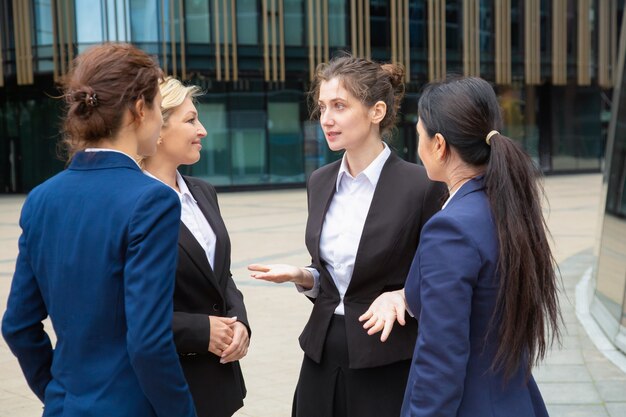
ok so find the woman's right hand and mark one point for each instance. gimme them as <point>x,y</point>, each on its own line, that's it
<point>221,334</point>
<point>279,273</point>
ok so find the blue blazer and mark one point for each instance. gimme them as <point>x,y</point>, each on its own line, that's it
<point>97,255</point>
<point>452,288</point>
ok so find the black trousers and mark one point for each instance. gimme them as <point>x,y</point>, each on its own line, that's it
<point>332,389</point>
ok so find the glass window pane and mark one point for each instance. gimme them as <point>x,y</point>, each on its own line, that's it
<point>145,20</point>
<point>43,22</point>
<point>337,19</point>
<point>89,19</point>
<point>285,147</point>
<point>197,21</point>
<point>248,159</point>
<point>247,22</point>
<point>576,142</point>
<point>214,164</point>
<point>294,22</point>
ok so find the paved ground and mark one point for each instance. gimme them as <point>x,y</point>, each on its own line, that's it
<point>576,380</point>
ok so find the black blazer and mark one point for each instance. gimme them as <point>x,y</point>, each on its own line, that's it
<point>404,199</point>
<point>218,390</point>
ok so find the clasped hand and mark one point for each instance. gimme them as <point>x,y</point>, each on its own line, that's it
<point>229,338</point>
<point>382,314</point>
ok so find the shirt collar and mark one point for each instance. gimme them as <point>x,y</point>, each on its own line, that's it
<point>373,170</point>
<point>111,150</point>
<point>182,186</point>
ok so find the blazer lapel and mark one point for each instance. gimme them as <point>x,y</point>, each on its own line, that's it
<point>190,245</point>
<point>215,221</point>
<point>320,197</point>
<point>377,231</point>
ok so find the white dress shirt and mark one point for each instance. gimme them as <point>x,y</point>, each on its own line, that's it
<point>453,193</point>
<point>194,219</point>
<point>344,223</point>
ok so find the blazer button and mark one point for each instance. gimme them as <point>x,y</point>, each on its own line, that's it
<point>216,307</point>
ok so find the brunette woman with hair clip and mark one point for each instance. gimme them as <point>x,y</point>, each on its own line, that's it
<point>97,254</point>
<point>483,284</point>
<point>365,215</point>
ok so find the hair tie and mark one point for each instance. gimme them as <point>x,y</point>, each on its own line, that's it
<point>490,135</point>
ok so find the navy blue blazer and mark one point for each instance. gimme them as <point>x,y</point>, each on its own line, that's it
<point>97,255</point>
<point>452,288</point>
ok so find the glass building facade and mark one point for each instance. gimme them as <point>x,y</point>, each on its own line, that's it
<point>551,62</point>
<point>609,303</point>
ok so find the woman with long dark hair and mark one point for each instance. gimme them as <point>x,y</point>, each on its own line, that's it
<point>483,284</point>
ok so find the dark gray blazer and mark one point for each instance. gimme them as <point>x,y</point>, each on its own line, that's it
<point>403,201</point>
<point>218,390</point>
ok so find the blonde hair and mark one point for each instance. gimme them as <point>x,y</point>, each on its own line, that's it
<point>174,93</point>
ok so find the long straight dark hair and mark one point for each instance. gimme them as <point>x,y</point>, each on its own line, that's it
<point>527,316</point>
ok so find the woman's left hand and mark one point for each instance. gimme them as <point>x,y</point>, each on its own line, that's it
<point>239,346</point>
<point>383,313</point>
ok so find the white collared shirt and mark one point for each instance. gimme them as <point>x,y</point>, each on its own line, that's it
<point>194,219</point>
<point>111,150</point>
<point>453,194</point>
<point>344,223</point>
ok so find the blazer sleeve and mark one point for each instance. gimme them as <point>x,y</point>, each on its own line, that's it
<point>234,304</point>
<point>148,288</point>
<point>449,264</point>
<point>22,325</point>
<point>192,332</point>
<point>234,297</point>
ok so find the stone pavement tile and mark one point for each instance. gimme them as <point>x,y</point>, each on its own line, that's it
<point>606,371</point>
<point>585,342</point>
<point>612,390</point>
<point>593,356</point>
<point>562,373</point>
<point>21,407</point>
<point>616,409</point>
<point>577,411</point>
<point>568,342</point>
<point>570,393</point>
<point>565,357</point>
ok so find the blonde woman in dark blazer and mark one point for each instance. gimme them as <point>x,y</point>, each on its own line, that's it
<point>211,330</point>
<point>365,216</point>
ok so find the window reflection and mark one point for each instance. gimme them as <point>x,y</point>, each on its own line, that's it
<point>89,18</point>
<point>247,22</point>
<point>285,140</point>
<point>43,22</point>
<point>145,21</point>
<point>214,164</point>
<point>197,21</point>
<point>609,306</point>
<point>294,22</point>
<point>337,19</point>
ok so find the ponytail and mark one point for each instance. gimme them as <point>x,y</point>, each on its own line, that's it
<point>527,297</point>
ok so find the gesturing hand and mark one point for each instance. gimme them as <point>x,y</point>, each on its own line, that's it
<point>383,313</point>
<point>239,346</point>
<point>221,334</point>
<point>277,273</point>
<point>280,273</point>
